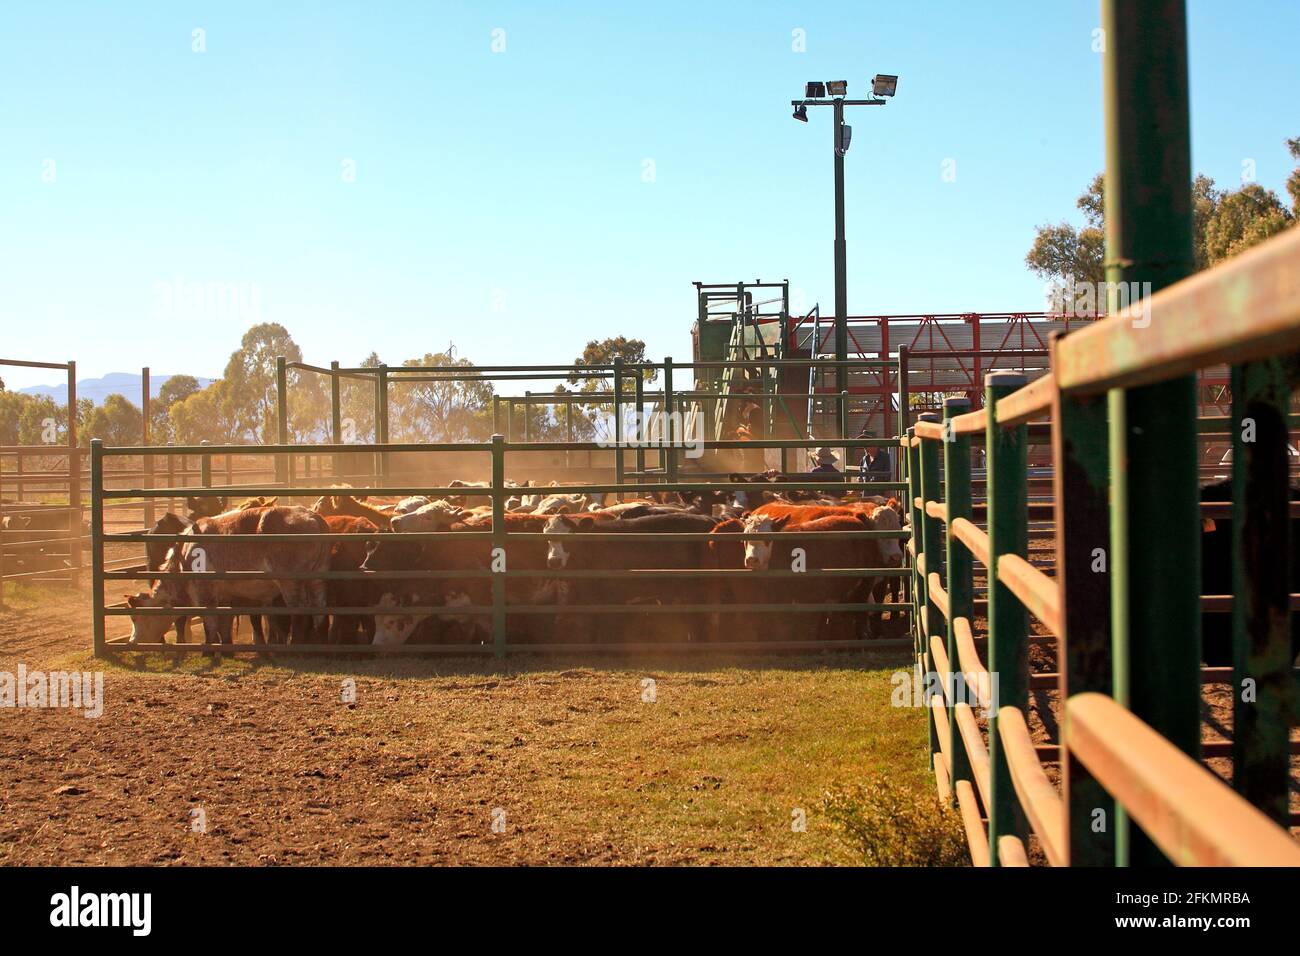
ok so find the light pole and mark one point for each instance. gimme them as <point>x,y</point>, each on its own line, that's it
<point>816,94</point>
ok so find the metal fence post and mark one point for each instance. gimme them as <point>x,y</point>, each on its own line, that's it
<point>97,543</point>
<point>1261,609</point>
<point>1156,512</point>
<point>282,462</point>
<point>74,481</point>
<point>903,417</point>
<point>499,543</point>
<point>336,415</point>
<point>1008,644</point>
<point>670,461</point>
<point>960,575</point>
<point>205,467</point>
<point>640,424</point>
<point>1081,493</point>
<point>931,547</point>
<point>381,420</point>
<point>918,584</point>
<point>618,422</point>
<point>146,438</point>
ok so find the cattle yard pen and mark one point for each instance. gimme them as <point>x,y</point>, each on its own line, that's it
<point>1123,607</point>
<point>50,484</point>
<point>493,455</point>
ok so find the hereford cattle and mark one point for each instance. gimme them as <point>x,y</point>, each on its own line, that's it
<point>1216,578</point>
<point>818,553</point>
<point>348,555</point>
<point>327,505</point>
<point>394,552</point>
<point>272,557</point>
<point>568,547</point>
<point>205,506</point>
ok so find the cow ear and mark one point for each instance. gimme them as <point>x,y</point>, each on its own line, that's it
<point>1207,524</point>
<point>780,522</point>
<point>586,523</point>
<point>132,600</point>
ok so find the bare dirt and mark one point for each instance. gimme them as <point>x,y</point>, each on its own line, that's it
<point>240,762</point>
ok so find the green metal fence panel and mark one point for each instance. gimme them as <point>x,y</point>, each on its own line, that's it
<point>959,566</point>
<point>1008,645</point>
<point>1081,489</point>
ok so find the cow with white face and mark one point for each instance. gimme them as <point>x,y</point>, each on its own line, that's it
<point>414,503</point>
<point>557,556</point>
<point>885,518</point>
<point>394,628</point>
<point>758,553</point>
<point>435,516</point>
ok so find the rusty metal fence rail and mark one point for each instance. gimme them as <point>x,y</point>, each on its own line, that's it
<point>1132,786</point>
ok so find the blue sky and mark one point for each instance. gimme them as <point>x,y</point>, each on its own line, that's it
<point>499,199</point>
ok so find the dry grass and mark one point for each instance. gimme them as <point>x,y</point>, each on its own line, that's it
<point>585,770</point>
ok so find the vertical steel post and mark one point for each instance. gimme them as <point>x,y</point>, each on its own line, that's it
<point>618,422</point>
<point>205,466</point>
<point>74,481</point>
<point>499,543</point>
<point>932,547</point>
<point>904,421</point>
<point>381,418</point>
<point>640,424</point>
<point>282,462</point>
<point>1261,610</point>
<point>146,461</point>
<point>1156,528</point>
<point>841,260</point>
<point>1008,644</point>
<point>670,451</point>
<point>336,415</point>
<point>960,574</point>
<point>918,580</point>
<point>1081,495</point>
<point>97,544</point>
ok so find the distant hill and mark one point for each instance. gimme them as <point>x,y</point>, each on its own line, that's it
<point>98,389</point>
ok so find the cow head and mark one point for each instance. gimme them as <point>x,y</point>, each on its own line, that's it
<point>885,518</point>
<point>413,503</point>
<point>150,628</point>
<point>394,628</point>
<point>205,507</point>
<point>435,516</point>
<point>557,555</point>
<point>758,554</point>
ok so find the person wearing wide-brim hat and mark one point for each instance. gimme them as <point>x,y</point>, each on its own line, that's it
<point>825,459</point>
<point>876,464</point>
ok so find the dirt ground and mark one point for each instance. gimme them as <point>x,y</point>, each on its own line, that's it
<point>240,762</point>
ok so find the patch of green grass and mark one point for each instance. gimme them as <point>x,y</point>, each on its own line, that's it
<point>888,822</point>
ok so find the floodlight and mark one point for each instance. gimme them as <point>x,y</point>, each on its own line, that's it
<point>882,84</point>
<point>837,87</point>
<point>814,90</point>
<point>801,113</point>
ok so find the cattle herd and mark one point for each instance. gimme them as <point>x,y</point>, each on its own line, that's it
<point>545,533</point>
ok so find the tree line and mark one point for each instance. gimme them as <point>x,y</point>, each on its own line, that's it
<point>1225,222</point>
<point>241,407</point>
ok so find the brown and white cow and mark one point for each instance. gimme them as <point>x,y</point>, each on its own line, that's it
<point>271,557</point>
